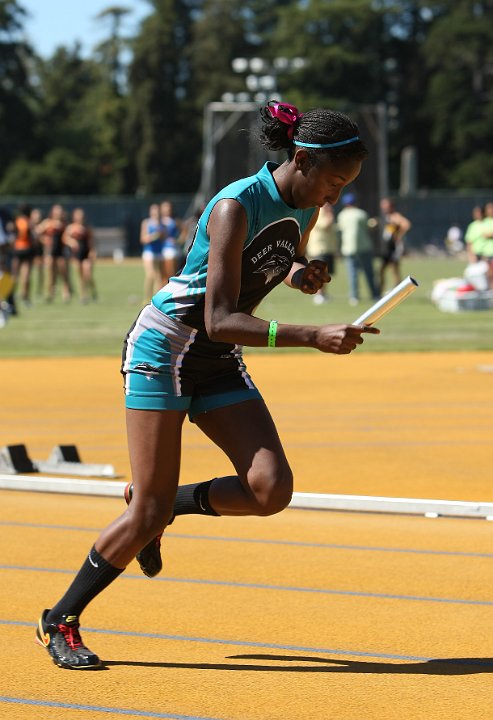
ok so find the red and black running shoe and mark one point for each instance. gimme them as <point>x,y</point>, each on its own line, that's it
<point>64,644</point>
<point>149,558</point>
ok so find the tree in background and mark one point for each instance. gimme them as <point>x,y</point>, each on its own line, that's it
<point>75,135</point>
<point>102,113</point>
<point>210,59</point>
<point>343,44</point>
<point>16,91</point>
<point>129,117</point>
<point>109,52</point>
<point>405,26</point>
<point>105,103</point>
<point>458,107</point>
<point>160,140</point>
<point>62,155</point>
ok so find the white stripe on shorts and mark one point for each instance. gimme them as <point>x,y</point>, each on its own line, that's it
<point>237,352</point>
<point>179,362</point>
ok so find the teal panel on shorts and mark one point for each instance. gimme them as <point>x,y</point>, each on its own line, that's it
<point>149,382</point>
<point>143,398</point>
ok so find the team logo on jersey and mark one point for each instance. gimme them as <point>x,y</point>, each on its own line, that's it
<point>274,266</point>
<point>267,260</point>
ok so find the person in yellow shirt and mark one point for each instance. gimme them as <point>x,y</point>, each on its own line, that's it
<point>395,226</point>
<point>322,245</point>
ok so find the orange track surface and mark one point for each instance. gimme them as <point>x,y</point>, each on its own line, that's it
<point>308,614</point>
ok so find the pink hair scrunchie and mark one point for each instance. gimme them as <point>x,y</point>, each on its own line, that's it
<point>287,114</point>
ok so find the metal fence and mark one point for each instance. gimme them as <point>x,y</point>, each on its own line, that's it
<point>116,219</point>
<point>433,213</point>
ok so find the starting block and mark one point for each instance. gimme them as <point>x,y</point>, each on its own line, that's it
<point>14,459</point>
<point>64,460</point>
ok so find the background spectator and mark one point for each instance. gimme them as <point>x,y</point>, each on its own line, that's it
<point>151,238</point>
<point>79,238</point>
<point>356,247</point>
<point>56,261</point>
<point>322,245</point>
<point>22,254</point>
<point>487,250</point>
<point>395,226</point>
<point>7,232</point>
<point>169,249</point>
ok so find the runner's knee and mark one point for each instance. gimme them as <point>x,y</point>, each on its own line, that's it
<point>148,516</point>
<point>272,490</point>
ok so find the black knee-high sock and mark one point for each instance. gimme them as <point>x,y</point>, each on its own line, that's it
<point>93,577</point>
<point>193,500</point>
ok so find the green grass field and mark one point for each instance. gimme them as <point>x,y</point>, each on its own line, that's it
<point>99,328</point>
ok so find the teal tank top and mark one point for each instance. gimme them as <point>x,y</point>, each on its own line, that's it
<point>273,237</point>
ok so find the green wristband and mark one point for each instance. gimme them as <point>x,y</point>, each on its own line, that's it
<point>271,341</point>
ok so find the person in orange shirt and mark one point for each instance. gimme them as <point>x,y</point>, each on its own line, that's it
<point>22,254</point>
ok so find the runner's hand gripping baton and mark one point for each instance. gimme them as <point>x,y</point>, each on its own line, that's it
<point>388,302</point>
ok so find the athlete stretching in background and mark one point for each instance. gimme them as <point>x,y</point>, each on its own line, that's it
<point>183,355</point>
<point>79,237</point>
<point>395,227</point>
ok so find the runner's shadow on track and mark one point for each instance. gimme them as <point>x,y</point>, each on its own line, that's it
<point>439,666</point>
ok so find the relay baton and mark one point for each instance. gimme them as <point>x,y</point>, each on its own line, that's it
<point>388,302</point>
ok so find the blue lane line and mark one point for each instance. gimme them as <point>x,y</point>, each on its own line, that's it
<point>101,709</point>
<point>273,646</point>
<point>48,526</point>
<point>277,588</point>
<point>257,541</point>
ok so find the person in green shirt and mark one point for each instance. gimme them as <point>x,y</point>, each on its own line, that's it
<point>356,247</point>
<point>474,235</point>
<point>487,250</point>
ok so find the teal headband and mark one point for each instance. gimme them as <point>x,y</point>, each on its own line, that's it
<point>321,146</point>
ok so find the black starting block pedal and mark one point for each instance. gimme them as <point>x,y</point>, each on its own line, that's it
<point>14,459</point>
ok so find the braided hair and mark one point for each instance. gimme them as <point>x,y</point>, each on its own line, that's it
<point>318,126</point>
